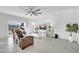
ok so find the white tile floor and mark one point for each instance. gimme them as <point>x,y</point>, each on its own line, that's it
<point>44,45</point>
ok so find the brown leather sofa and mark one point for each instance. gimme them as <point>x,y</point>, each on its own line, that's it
<point>24,41</point>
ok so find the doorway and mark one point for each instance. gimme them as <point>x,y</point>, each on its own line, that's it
<point>13,25</point>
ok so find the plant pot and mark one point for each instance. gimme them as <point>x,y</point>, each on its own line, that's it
<point>70,38</point>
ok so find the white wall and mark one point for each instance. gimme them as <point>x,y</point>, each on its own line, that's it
<point>59,19</point>
<point>4,19</point>
<point>64,17</point>
<point>58,16</point>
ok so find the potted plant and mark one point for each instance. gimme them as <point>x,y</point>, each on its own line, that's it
<point>71,28</point>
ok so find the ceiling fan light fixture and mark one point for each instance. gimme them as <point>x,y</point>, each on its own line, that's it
<point>33,11</point>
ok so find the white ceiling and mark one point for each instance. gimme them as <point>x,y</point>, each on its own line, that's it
<point>46,10</point>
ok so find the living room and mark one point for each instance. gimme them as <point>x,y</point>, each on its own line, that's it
<point>47,26</point>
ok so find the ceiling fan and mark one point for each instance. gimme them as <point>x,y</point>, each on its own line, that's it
<point>32,11</point>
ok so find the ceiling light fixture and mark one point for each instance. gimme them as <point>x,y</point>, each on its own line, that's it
<point>32,10</point>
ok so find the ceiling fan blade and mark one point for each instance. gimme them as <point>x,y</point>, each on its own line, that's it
<point>38,10</point>
<point>28,13</point>
<point>39,13</point>
<point>35,14</point>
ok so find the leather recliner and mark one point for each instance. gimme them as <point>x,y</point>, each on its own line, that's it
<point>24,41</point>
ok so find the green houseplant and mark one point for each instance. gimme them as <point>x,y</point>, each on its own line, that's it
<point>72,28</point>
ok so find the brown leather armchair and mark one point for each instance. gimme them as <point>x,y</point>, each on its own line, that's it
<point>24,41</point>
